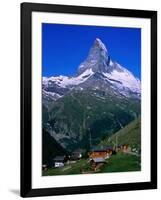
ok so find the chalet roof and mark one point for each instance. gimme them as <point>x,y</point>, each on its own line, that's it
<point>77,151</point>
<point>123,144</point>
<point>96,149</point>
<point>74,157</point>
<point>98,159</point>
<point>109,147</point>
<point>101,149</point>
<point>59,158</point>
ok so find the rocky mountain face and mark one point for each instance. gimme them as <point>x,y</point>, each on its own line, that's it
<point>99,100</point>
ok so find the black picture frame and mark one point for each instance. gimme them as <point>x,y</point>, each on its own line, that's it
<point>26,94</point>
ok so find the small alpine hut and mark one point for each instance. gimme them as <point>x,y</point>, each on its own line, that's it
<point>76,155</point>
<point>124,148</point>
<point>110,150</point>
<point>59,161</point>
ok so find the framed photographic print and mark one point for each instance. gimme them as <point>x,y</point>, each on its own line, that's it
<point>88,99</point>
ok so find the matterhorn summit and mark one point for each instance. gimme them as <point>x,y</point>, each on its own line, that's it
<point>99,71</point>
<point>97,58</point>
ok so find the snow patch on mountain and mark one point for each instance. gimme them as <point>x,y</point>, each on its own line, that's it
<point>65,81</point>
<point>124,79</point>
<point>50,96</point>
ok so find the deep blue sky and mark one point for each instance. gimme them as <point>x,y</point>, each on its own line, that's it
<point>64,47</point>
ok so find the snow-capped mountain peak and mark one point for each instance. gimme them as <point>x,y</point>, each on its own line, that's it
<point>96,59</point>
<point>100,44</point>
<point>110,73</point>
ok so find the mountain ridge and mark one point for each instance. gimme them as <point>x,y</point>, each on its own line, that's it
<point>97,63</point>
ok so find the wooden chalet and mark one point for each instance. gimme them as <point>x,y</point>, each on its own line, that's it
<point>124,148</point>
<point>104,153</point>
<point>76,155</point>
<point>97,162</point>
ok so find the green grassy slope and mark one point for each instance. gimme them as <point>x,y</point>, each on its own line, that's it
<point>74,168</point>
<point>130,134</point>
<point>122,162</point>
